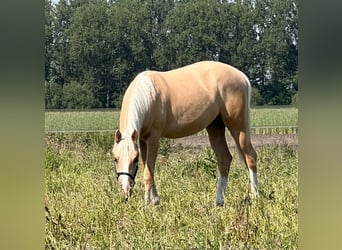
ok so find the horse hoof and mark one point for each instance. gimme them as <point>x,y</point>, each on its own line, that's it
<point>219,204</point>
<point>255,195</point>
<point>156,201</point>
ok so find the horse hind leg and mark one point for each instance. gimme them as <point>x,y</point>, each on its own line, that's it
<point>243,142</point>
<point>216,132</point>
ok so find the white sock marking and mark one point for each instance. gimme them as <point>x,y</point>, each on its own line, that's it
<point>254,182</point>
<point>147,198</point>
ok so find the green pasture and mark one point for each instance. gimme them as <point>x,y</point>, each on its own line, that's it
<point>264,120</point>
<point>84,209</point>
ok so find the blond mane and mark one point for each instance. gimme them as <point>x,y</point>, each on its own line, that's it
<point>142,95</point>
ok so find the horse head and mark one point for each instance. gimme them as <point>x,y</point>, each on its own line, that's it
<point>126,157</point>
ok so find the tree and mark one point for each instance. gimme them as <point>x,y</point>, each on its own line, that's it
<point>131,42</point>
<point>109,44</point>
<point>207,30</point>
<point>90,48</point>
<point>158,13</point>
<point>188,34</point>
<point>278,39</point>
<point>49,29</point>
<point>104,44</point>
<point>61,64</point>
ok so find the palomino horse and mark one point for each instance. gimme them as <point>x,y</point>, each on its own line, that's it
<point>179,103</point>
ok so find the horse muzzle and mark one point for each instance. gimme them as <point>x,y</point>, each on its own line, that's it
<point>126,184</point>
<point>127,192</point>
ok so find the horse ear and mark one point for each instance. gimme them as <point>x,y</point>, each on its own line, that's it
<point>135,136</point>
<point>118,136</point>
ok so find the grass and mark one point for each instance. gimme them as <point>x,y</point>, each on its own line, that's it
<point>261,119</point>
<point>84,209</point>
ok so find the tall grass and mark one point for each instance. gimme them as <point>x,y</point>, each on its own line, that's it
<point>84,209</point>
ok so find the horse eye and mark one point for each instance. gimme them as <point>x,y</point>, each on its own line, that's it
<point>136,159</point>
<point>115,160</point>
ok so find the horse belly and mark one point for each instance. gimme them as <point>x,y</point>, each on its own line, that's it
<point>189,122</point>
<point>181,131</point>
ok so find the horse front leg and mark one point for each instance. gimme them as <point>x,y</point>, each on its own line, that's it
<point>150,186</point>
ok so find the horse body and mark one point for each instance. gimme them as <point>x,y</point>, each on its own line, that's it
<point>179,103</point>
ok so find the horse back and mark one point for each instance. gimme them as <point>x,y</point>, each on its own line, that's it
<point>191,97</point>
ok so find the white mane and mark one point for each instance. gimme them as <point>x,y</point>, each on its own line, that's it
<point>140,102</point>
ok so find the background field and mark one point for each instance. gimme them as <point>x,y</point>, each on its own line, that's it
<point>84,209</point>
<point>264,120</point>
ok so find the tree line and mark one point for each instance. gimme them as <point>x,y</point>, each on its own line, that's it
<point>94,48</point>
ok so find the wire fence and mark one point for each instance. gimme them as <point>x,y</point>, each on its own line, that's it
<point>274,129</point>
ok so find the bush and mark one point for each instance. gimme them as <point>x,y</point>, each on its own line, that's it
<point>78,96</point>
<point>256,98</point>
<point>117,100</point>
<point>295,99</point>
<point>53,95</point>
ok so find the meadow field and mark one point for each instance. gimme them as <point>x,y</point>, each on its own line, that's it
<point>263,120</point>
<point>85,210</point>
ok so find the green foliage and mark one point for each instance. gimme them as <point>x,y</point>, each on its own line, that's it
<point>59,59</point>
<point>48,38</point>
<point>78,96</point>
<point>295,99</point>
<point>84,209</point>
<point>277,22</point>
<point>104,44</point>
<point>71,95</point>
<point>90,45</point>
<point>117,100</point>
<point>53,95</point>
<point>256,98</point>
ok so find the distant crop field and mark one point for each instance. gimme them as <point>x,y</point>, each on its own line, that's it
<point>264,120</point>
<point>84,209</point>
<point>81,120</point>
<point>274,116</point>
<point>274,120</point>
